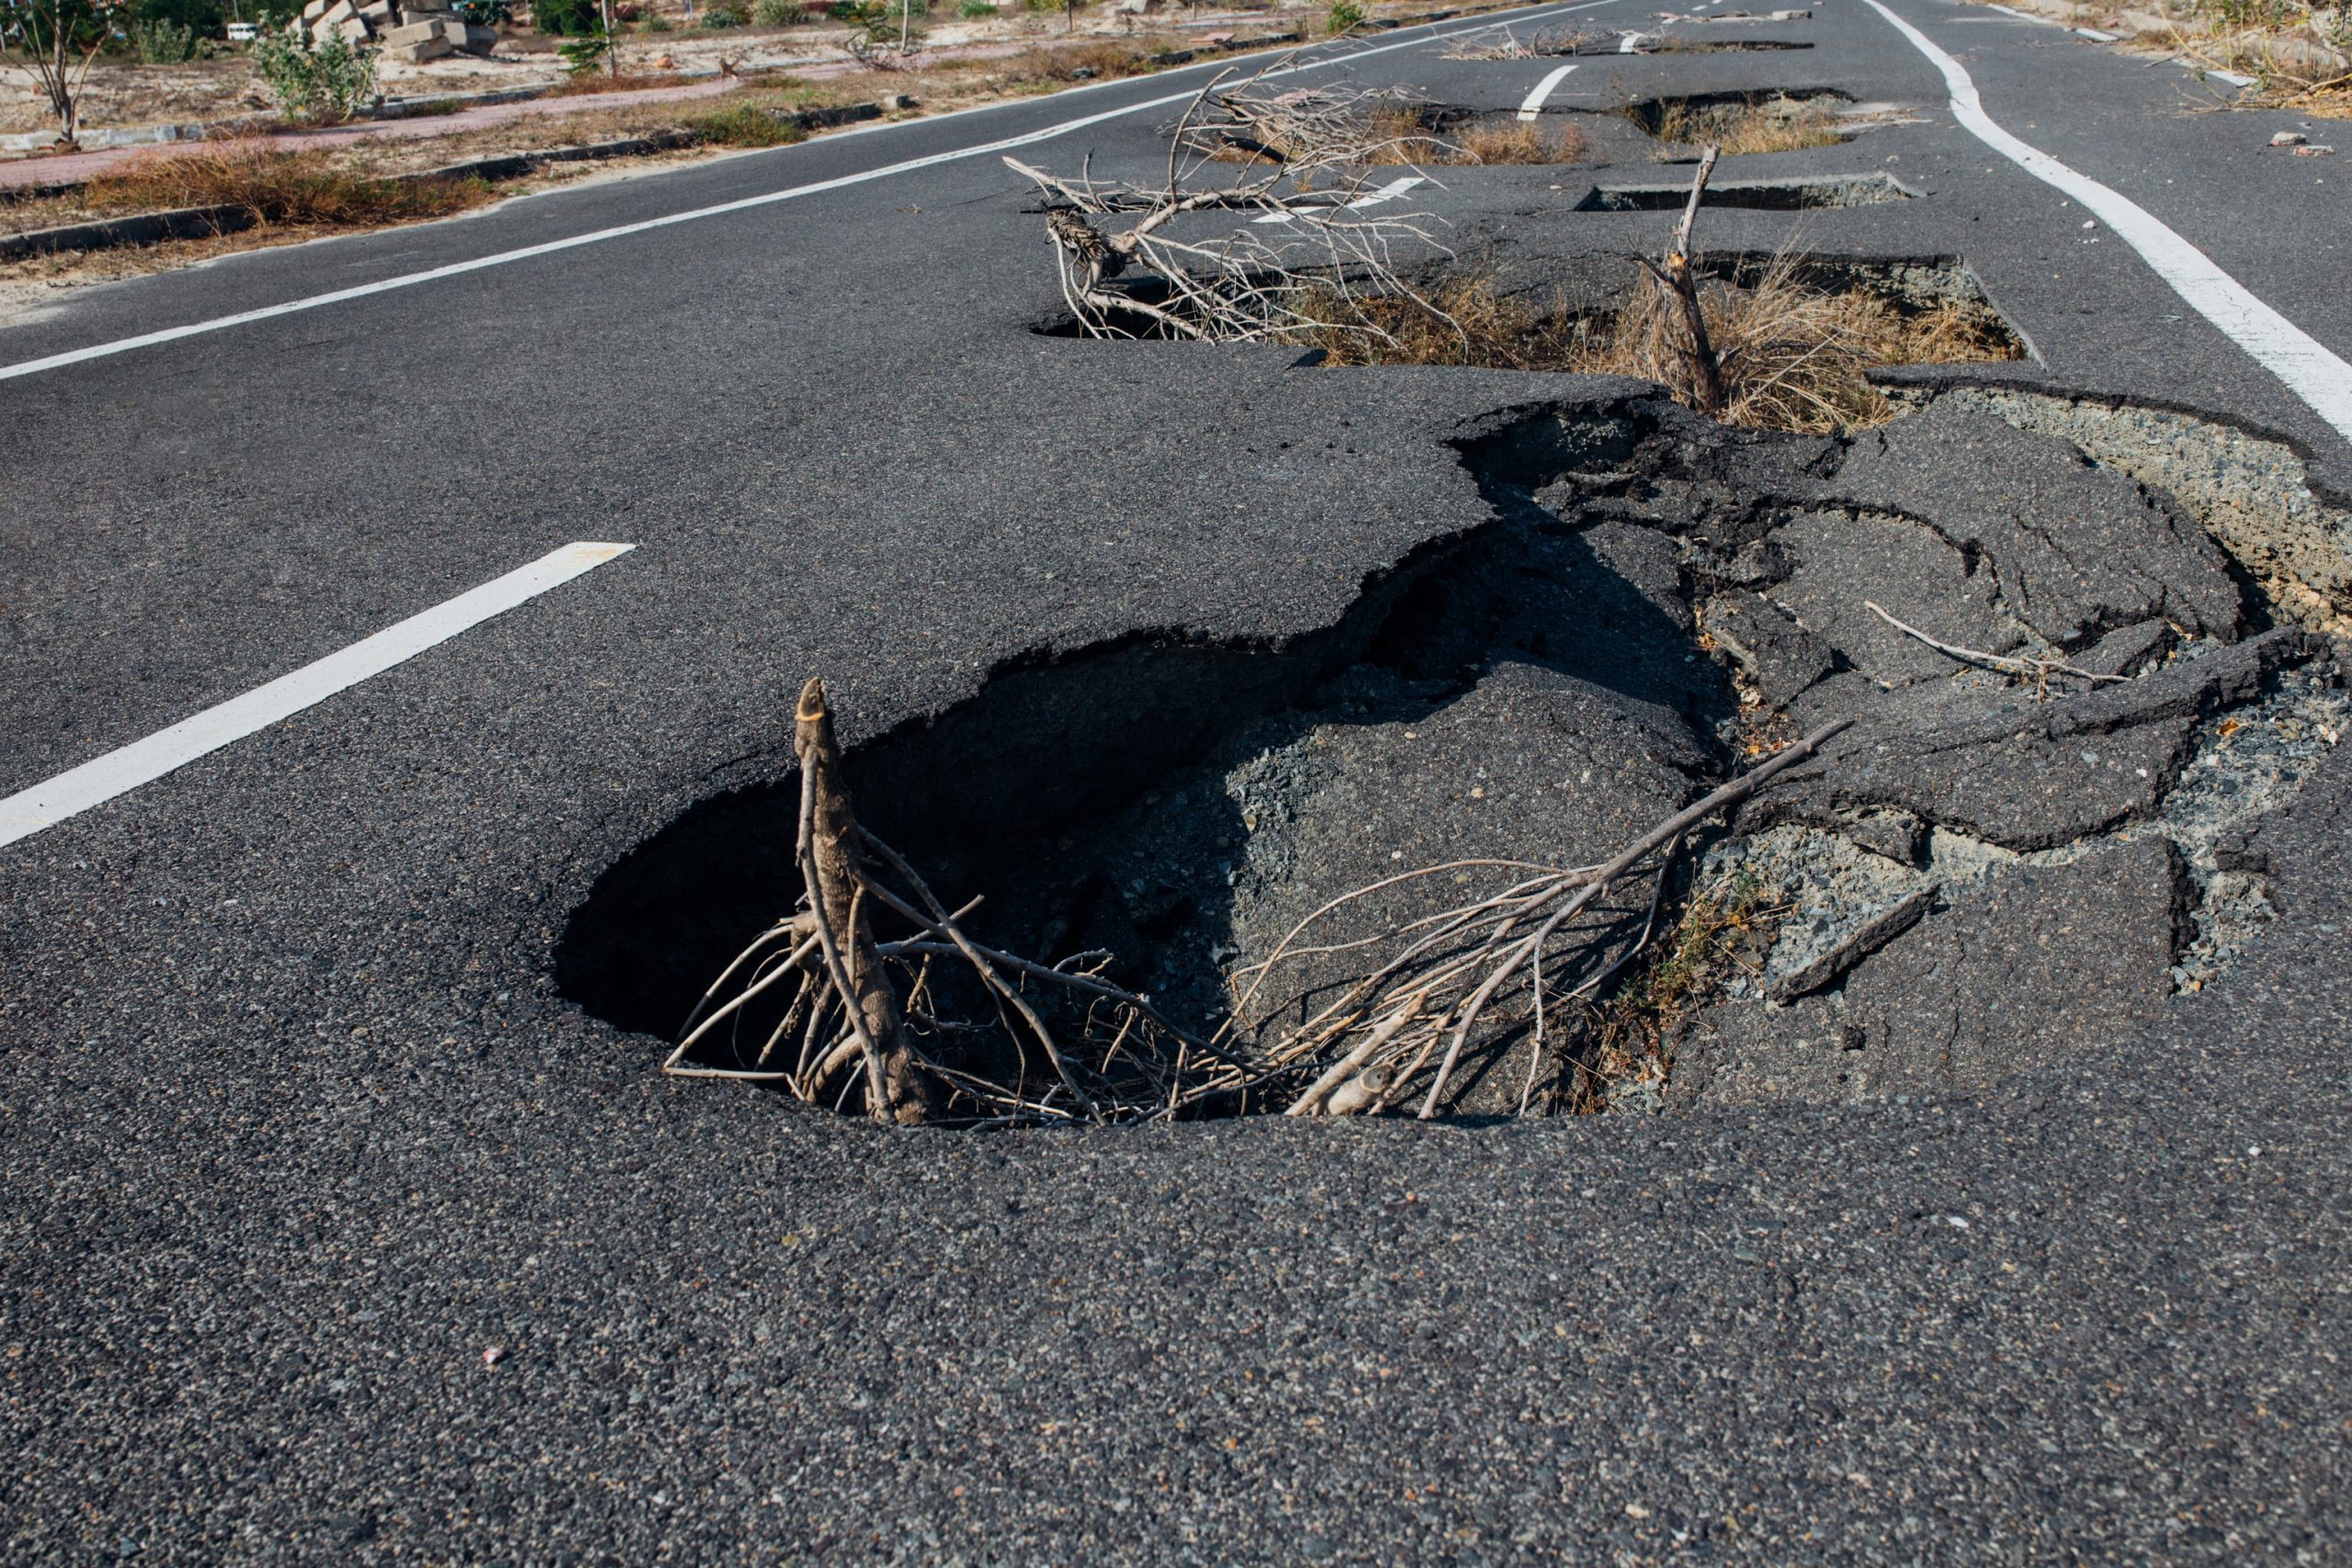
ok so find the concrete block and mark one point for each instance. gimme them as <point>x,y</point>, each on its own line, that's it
<point>473,40</point>
<point>412,33</point>
<point>338,14</point>
<point>354,31</point>
<point>377,14</point>
<point>421,52</point>
<point>314,10</point>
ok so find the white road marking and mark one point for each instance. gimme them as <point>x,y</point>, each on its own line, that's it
<point>1631,44</point>
<point>2095,34</point>
<point>2025,16</point>
<point>2231,77</point>
<point>504,258</point>
<point>1532,104</point>
<point>1388,192</point>
<point>2306,366</point>
<point>142,762</point>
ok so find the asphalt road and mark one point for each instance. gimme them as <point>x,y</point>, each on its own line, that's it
<point>331,1230</point>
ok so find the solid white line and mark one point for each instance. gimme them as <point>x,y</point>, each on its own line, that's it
<point>2094,34</point>
<point>2025,16</point>
<point>142,762</point>
<point>1532,104</point>
<point>2231,77</point>
<point>502,258</point>
<point>2309,370</point>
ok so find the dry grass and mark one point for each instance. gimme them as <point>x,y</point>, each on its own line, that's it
<point>587,84</point>
<point>306,189</point>
<point>1410,134</point>
<point>1772,125</point>
<point>1726,925</point>
<point>1048,67</point>
<point>748,125</point>
<point>1522,141</point>
<point>1794,356</point>
<point>1464,322</point>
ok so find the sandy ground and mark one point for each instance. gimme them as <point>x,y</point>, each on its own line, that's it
<point>127,93</point>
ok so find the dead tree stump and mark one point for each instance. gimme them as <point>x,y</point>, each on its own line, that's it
<point>896,1088</point>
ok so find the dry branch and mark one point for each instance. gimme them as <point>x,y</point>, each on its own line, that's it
<point>1681,280</point>
<point>1314,223</point>
<point>2038,671</point>
<point>1430,985</point>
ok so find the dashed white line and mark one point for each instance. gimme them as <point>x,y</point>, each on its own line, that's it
<point>2309,370</point>
<point>2025,17</point>
<point>1532,104</point>
<point>527,253</point>
<point>1388,192</point>
<point>142,762</point>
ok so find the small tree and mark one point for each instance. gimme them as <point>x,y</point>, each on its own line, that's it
<point>55,42</point>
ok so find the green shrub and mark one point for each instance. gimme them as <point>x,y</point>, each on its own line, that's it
<point>319,83</point>
<point>656,23</point>
<point>1347,16</point>
<point>167,43</point>
<point>485,13</point>
<point>973,10</point>
<point>719,17</point>
<point>777,12</point>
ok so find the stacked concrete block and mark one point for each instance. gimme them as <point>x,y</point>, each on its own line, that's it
<point>426,30</point>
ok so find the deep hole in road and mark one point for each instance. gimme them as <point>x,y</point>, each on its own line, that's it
<point>1764,195</point>
<point>1764,120</point>
<point>1655,601</point>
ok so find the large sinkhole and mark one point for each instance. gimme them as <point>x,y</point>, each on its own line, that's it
<point>1657,604</point>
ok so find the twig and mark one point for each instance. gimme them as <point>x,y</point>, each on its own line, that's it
<point>2038,669</point>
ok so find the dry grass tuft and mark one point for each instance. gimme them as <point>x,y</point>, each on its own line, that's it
<point>1055,66</point>
<point>1410,134</point>
<point>748,125</point>
<point>1465,322</point>
<point>587,83</point>
<point>1728,924</point>
<point>304,188</point>
<point>1794,357</point>
<point>1522,141</point>
<point>1772,125</point>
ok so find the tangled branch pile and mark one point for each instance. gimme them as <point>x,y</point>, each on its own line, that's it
<point>1132,260</point>
<point>871,993</point>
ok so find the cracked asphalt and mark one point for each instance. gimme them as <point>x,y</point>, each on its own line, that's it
<point>331,1230</point>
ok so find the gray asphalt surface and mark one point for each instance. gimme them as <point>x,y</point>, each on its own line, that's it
<point>333,1231</point>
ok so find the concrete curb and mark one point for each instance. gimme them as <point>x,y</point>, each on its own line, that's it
<point>204,222</point>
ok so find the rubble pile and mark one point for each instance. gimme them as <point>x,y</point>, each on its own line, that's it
<point>413,34</point>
